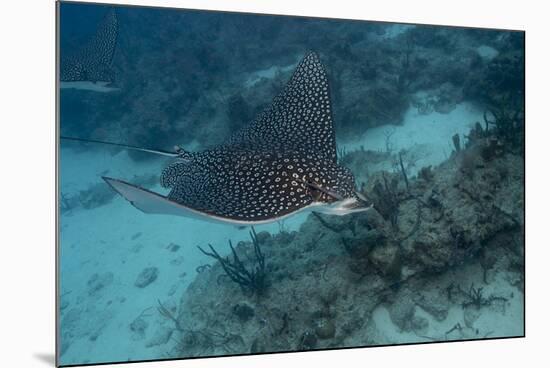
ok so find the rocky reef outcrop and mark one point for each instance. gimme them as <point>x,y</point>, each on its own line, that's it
<point>439,257</point>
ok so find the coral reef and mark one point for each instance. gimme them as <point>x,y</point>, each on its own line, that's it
<point>207,76</point>
<point>96,282</point>
<point>332,282</point>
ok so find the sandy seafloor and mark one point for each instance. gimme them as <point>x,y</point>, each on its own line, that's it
<point>118,239</point>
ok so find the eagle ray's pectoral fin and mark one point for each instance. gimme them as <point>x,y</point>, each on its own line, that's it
<point>155,203</point>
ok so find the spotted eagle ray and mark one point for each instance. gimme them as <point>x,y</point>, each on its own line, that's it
<point>283,163</point>
<point>89,67</point>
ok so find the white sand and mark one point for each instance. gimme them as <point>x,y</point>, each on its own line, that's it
<point>268,73</point>
<point>428,137</point>
<point>497,320</point>
<point>100,241</point>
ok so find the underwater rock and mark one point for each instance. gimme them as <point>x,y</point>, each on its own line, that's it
<point>147,276</point>
<point>160,337</point>
<point>419,324</point>
<point>355,247</point>
<point>138,327</point>
<point>352,322</point>
<point>432,251</point>
<point>360,247</point>
<point>97,282</point>
<point>68,203</point>
<point>469,161</point>
<point>376,221</point>
<point>439,226</point>
<point>433,200</point>
<point>434,303</point>
<point>308,341</point>
<point>195,340</point>
<point>244,311</point>
<point>387,260</point>
<point>284,237</point>
<point>491,149</point>
<point>329,297</point>
<point>448,96</point>
<point>172,247</point>
<point>263,237</point>
<point>426,174</point>
<point>402,312</point>
<point>139,324</point>
<point>377,105</point>
<point>499,85</point>
<point>325,328</point>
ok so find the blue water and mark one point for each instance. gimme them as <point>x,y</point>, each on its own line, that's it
<point>193,78</point>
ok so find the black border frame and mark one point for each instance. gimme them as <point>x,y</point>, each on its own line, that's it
<point>57,151</point>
